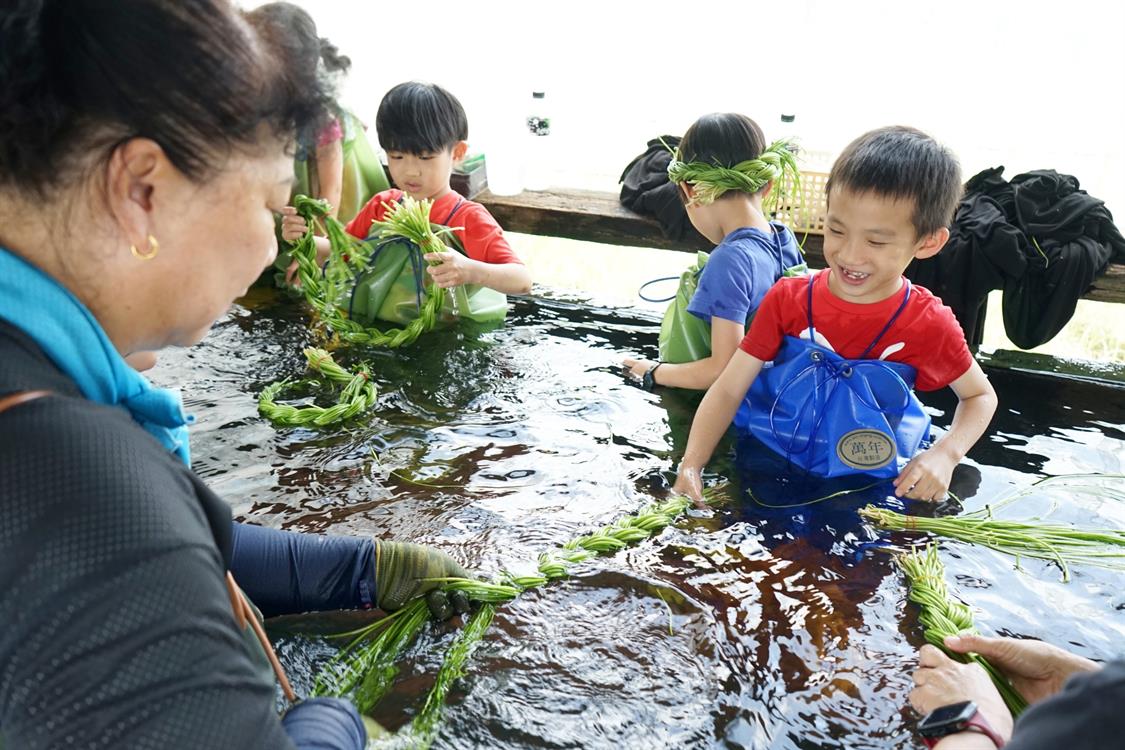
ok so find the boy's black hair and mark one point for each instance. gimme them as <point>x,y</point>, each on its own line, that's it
<point>722,138</point>
<point>902,163</point>
<point>420,118</point>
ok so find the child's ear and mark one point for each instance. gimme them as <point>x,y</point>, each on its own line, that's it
<point>460,148</point>
<point>932,243</point>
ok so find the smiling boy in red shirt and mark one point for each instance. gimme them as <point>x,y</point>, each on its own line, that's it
<point>891,196</point>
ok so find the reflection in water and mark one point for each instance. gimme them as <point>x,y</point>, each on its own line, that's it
<point>755,626</point>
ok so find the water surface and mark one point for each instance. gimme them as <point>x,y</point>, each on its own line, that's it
<point>753,628</point>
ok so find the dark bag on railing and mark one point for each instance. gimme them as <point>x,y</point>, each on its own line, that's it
<point>645,188</point>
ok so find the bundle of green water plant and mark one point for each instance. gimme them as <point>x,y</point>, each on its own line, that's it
<point>322,287</point>
<point>365,667</point>
<point>709,181</point>
<point>409,220</point>
<point>942,616</point>
<point>1061,544</point>
<point>357,395</point>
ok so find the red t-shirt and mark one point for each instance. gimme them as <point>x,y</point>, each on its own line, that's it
<point>925,336</point>
<point>481,236</point>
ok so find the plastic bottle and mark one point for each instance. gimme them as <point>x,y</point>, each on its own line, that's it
<point>537,161</point>
<point>788,129</point>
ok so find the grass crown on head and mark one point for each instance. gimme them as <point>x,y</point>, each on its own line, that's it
<point>711,180</point>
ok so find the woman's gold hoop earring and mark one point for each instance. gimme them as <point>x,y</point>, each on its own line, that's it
<point>153,249</point>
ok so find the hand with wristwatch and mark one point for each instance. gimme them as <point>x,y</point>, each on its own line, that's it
<point>954,719</point>
<point>962,708</point>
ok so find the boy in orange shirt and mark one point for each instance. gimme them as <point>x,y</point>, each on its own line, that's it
<point>423,129</point>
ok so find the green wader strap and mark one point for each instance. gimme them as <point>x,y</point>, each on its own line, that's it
<point>683,336</point>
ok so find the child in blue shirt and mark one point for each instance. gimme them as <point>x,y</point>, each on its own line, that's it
<point>726,173</point>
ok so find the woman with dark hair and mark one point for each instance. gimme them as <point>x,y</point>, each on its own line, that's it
<point>142,143</point>
<point>334,159</point>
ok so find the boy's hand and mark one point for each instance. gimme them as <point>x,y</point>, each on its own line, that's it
<point>293,226</point>
<point>689,483</point>
<point>454,269</point>
<point>638,367</point>
<point>927,476</point>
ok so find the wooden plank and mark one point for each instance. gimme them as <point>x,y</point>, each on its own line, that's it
<point>593,216</point>
<point>1109,287</point>
<point>598,217</point>
<point>582,215</point>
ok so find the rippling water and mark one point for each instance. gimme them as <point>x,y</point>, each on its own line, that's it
<point>752,628</point>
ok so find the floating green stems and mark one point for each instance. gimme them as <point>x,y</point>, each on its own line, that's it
<point>322,289</point>
<point>366,664</point>
<point>942,616</point>
<point>452,669</point>
<point>357,396</point>
<point>556,564</point>
<point>1061,544</point>
<point>350,668</point>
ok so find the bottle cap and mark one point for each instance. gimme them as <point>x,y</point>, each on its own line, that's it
<point>788,118</point>
<point>538,94</point>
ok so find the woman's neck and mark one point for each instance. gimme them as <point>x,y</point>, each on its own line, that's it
<point>26,229</point>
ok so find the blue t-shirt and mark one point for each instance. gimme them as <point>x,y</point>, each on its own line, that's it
<point>741,270</point>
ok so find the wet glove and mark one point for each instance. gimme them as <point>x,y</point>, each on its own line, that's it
<point>401,570</point>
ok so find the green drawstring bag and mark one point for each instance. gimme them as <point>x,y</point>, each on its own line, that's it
<point>391,288</point>
<point>363,179</point>
<point>683,336</point>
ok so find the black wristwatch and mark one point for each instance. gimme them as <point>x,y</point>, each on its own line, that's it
<point>955,718</point>
<point>648,380</point>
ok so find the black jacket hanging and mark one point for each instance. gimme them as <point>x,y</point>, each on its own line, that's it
<point>982,253</point>
<point>1039,238</point>
<point>1072,238</point>
<point>645,188</point>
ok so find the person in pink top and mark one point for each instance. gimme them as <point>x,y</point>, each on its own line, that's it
<point>423,129</point>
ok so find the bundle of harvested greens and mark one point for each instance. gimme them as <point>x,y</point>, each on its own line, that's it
<point>777,163</point>
<point>365,665</point>
<point>409,220</point>
<point>942,616</point>
<point>357,396</point>
<point>1058,543</point>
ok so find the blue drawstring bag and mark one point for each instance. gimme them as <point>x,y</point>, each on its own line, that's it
<point>834,416</point>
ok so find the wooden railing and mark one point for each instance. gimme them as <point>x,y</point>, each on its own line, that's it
<point>600,217</point>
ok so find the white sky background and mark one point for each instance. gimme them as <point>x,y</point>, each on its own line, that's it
<point>1025,84</point>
